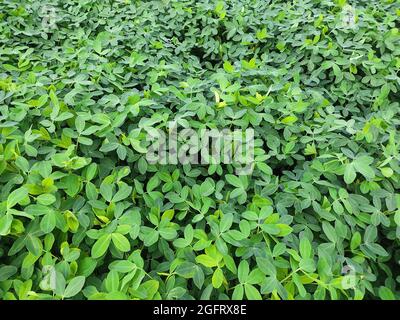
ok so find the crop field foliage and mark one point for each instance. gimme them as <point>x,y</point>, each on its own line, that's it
<point>84,214</point>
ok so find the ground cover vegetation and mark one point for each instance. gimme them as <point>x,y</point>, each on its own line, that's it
<point>83,215</point>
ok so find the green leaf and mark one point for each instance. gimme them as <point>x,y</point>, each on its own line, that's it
<point>123,192</point>
<point>226,222</point>
<point>377,249</point>
<point>6,272</point>
<point>72,184</point>
<point>387,172</point>
<point>370,234</point>
<point>74,287</point>
<point>349,173</point>
<point>123,266</point>
<point>101,246</point>
<point>16,196</point>
<point>362,165</point>
<point>329,231</point>
<point>217,278</point>
<point>106,191</point>
<point>168,233</point>
<point>261,34</point>
<point>386,294</point>
<point>228,67</point>
<point>307,264</point>
<point>34,245</point>
<point>48,222</point>
<point>5,224</point>
<point>251,292</point>
<point>305,248</point>
<point>186,270</point>
<point>46,199</point>
<point>151,237</point>
<point>233,180</point>
<point>238,292</point>
<point>284,230</point>
<point>206,261</point>
<point>397,217</point>
<point>121,242</point>
<point>271,229</point>
<point>355,241</point>
<point>243,271</point>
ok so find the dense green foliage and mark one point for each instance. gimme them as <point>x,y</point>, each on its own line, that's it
<point>83,215</point>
